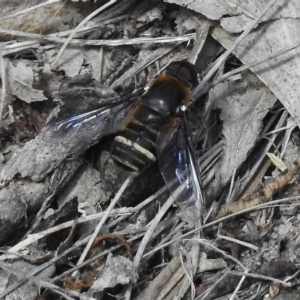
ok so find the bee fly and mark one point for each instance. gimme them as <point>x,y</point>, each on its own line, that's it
<point>135,147</point>
<point>149,128</point>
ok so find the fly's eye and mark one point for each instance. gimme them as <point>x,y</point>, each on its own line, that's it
<point>183,71</point>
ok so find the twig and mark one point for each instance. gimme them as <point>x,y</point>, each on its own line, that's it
<point>103,220</point>
<point>92,259</point>
<point>246,210</point>
<point>207,292</point>
<point>37,236</point>
<point>248,66</point>
<point>140,206</point>
<point>264,194</point>
<point>3,81</point>
<point>79,26</point>
<point>225,55</point>
<point>44,266</point>
<point>245,244</point>
<point>189,270</point>
<point>263,277</point>
<point>232,297</point>
<point>45,284</point>
<point>206,243</point>
<point>113,43</point>
<point>144,242</point>
<point>89,261</point>
<point>27,10</point>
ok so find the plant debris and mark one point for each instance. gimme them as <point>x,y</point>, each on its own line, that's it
<point>75,225</point>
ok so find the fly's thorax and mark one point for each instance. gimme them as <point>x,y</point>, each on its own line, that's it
<point>165,95</point>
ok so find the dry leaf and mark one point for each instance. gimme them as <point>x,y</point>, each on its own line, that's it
<point>243,106</point>
<point>118,270</point>
<point>20,80</point>
<point>281,74</point>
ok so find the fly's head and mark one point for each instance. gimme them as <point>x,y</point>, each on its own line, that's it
<point>184,72</point>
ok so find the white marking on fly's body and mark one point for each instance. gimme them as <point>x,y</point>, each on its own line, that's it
<point>183,108</point>
<point>135,121</point>
<point>126,163</point>
<point>137,147</point>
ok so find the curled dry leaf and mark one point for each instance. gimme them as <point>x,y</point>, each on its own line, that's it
<point>280,75</point>
<point>20,79</point>
<point>243,107</point>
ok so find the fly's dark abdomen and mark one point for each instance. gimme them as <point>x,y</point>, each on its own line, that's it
<point>134,148</point>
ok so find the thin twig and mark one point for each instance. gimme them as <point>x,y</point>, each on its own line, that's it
<point>232,297</point>
<point>110,250</point>
<point>262,194</point>
<point>247,210</point>
<point>27,10</point>
<point>92,259</point>
<point>45,284</point>
<point>42,267</point>
<point>263,277</point>
<point>37,236</point>
<point>147,237</point>
<point>3,81</point>
<point>104,218</point>
<point>254,64</point>
<point>207,244</point>
<point>79,26</point>
<point>140,206</point>
<point>113,43</point>
<point>245,244</point>
<point>207,292</point>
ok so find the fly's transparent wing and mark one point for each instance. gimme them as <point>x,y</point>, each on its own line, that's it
<point>174,164</point>
<point>88,126</point>
<point>178,164</point>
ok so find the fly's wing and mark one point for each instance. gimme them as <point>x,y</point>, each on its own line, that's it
<point>178,165</point>
<point>80,120</point>
<point>88,126</point>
